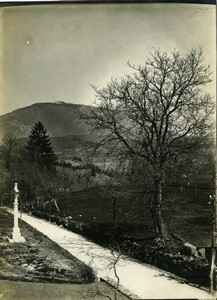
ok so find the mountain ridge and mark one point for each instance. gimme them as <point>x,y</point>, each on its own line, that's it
<point>59,118</point>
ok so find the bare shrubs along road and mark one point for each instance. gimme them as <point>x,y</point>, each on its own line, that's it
<point>39,269</point>
<point>135,279</point>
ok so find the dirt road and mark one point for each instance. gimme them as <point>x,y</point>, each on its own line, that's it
<point>136,279</point>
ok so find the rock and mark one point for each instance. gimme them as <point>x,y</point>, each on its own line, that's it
<point>201,252</point>
<point>24,265</point>
<point>189,250</point>
<point>31,267</point>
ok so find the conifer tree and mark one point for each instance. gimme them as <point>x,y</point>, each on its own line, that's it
<point>40,149</point>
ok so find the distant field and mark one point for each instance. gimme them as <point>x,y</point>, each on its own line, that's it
<point>190,214</point>
<point>187,213</point>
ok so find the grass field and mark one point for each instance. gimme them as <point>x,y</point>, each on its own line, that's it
<point>187,212</point>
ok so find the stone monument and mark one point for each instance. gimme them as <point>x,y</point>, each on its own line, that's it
<point>16,235</point>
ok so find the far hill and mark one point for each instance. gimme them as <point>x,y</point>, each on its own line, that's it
<point>60,119</point>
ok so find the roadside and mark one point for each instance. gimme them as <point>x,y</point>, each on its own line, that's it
<point>140,279</point>
<point>44,291</point>
<point>38,259</point>
<point>41,269</point>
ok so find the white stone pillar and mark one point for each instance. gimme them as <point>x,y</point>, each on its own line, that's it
<point>16,235</point>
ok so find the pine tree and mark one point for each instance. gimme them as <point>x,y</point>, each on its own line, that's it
<point>40,149</point>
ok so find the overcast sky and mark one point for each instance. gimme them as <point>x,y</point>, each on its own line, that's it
<point>55,52</point>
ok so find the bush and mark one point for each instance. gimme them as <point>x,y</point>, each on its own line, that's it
<point>195,270</point>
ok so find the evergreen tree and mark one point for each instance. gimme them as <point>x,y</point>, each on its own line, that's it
<point>40,149</point>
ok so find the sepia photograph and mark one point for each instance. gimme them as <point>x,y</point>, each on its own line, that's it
<point>108,150</point>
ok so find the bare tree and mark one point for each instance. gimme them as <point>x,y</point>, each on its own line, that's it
<point>115,258</point>
<point>8,157</point>
<point>155,114</point>
<point>8,150</point>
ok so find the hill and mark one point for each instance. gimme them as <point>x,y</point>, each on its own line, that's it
<point>60,119</point>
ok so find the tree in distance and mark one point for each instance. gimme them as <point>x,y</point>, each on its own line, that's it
<point>8,157</point>
<point>156,114</point>
<point>40,149</point>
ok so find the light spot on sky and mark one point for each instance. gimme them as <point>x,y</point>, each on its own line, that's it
<point>74,46</point>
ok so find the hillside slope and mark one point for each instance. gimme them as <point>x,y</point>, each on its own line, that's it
<point>59,118</point>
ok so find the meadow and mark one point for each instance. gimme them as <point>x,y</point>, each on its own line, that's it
<point>187,210</point>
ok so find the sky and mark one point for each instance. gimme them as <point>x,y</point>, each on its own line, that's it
<point>56,52</point>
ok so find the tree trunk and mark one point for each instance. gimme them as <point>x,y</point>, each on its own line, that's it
<point>114,212</point>
<point>212,266</point>
<point>156,208</point>
<point>49,209</point>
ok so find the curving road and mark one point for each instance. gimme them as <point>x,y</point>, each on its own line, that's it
<point>140,281</point>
